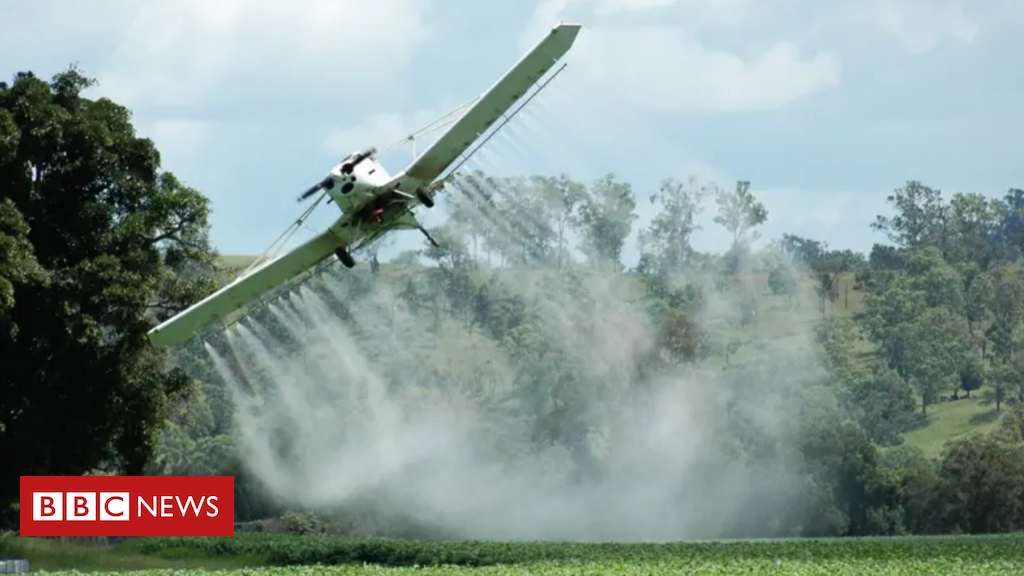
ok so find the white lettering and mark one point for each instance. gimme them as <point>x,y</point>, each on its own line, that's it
<point>114,506</point>
<point>80,505</point>
<point>209,502</point>
<point>192,503</point>
<point>166,506</point>
<point>47,506</point>
<point>143,503</point>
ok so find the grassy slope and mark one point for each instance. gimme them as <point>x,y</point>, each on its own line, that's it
<point>945,421</point>
<point>53,555</point>
<point>234,264</point>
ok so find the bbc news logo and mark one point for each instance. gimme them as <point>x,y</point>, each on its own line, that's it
<point>127,505</point>
<point>51,506</point>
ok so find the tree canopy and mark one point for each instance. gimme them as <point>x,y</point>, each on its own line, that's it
<point>95,243</point>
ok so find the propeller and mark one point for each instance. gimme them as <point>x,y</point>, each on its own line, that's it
<point>325,184</point>
<point>348,165</point>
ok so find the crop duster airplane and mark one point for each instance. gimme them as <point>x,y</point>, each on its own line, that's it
<point>373,203</point>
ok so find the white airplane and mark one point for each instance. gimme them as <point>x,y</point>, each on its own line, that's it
<point>372,202</point>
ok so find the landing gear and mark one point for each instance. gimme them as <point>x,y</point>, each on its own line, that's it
<point>424,198</point>
<point>346,259</point>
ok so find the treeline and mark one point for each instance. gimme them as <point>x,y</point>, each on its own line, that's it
<point>97,243</point>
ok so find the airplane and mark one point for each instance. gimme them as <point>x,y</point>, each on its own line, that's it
<point>371,201</point>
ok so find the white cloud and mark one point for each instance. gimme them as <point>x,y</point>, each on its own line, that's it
<point>184,52</point>
<point>694,14</point>
<point>56,32</point>
<point>180,141</point>
<point>662,69</point>
<point>919,24</point>
<point>381,130</point>
<point>666,67</point>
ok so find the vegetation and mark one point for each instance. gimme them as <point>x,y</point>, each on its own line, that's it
<point>57,555</point>
<point>983,556</point>
<point>813,367</point>
<point>95,244</point>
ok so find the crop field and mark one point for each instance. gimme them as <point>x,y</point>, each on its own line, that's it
<point>276,555</point>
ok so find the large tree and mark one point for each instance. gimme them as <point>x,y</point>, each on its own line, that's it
<point>96,243</point>
<point>607,214</point>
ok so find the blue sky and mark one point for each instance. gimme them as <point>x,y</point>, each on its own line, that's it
<point>824,106</point>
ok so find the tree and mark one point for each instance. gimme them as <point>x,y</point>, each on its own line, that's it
<point>973,374</point>
<point>1009,236</point>
<point>528,204</point>
<point>941,284</point>
<point>883,404</point>
<point>826,276</point>
<point>18,265</point>
<point>935,350</point>
<point>1004,378</point>
<point>803,250</point>
<point>562,196</point>
<point>981,486</point>
<point>681,339</point>
<point>739,212</point>
<point>919,220</point>
<point>120,241</point>
<point>782,281</point>
<point>975,220</point>
<point>607,214</point>
<point>1007,308</point>
<point>1011,425</point>
<point>667,239</point>
<point>980,296</point>
<point>1008,381</point>
<point>887,319</point>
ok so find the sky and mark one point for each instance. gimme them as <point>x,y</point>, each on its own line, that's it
<point>825,107</point>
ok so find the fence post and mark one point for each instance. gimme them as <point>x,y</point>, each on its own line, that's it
<point>15,566</point>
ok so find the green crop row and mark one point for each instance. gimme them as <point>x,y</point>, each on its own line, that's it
<point>745,567</point>
<point>282,550</point>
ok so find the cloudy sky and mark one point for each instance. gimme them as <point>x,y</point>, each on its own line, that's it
<point>824,106</point>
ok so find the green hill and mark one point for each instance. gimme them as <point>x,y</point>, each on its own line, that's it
<point>235,264</point>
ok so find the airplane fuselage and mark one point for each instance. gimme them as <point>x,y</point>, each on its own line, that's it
<point>352,190</point>
<point>366,195</point>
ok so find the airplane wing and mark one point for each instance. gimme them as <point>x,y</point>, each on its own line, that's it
<point>247,287</point>
<point>493,104</point>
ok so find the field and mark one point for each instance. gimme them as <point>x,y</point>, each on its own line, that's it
<point>277,555</point>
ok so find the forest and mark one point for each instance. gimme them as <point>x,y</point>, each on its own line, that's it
<point>782,387</point>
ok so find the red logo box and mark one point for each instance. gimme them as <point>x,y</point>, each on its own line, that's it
<point>127,505</point>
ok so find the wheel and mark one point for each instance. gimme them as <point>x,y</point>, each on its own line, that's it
<point>345,258</point>
<point>425,198</point>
